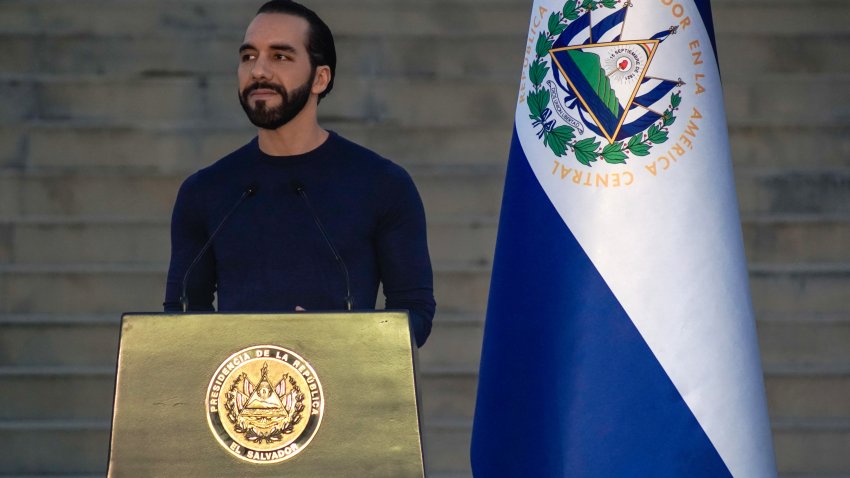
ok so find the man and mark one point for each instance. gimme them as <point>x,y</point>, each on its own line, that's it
<point>303,215</point>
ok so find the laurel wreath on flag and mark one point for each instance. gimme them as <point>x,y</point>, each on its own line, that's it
<point>560,138</point>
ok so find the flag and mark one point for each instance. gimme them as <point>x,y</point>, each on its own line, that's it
<point>619,339</point>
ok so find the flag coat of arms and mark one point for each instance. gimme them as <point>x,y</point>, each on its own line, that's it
<point>620,339</point>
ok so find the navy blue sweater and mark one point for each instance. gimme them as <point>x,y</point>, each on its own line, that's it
<point>270,254</point>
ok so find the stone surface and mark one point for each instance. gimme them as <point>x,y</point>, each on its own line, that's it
<point>107,106</point>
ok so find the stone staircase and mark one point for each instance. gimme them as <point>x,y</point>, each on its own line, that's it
<point>105,106</point>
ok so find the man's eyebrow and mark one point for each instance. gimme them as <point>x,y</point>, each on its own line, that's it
<point>278,47</point>
<point>283,47</point>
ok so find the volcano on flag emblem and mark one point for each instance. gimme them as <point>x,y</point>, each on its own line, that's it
<point>606,77</point>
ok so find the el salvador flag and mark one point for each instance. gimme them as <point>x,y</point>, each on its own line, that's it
<point>620,339</point>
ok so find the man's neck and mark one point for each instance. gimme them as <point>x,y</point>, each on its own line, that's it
<point>301,135</point>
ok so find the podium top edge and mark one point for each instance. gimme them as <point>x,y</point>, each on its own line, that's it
<point>328,313</point>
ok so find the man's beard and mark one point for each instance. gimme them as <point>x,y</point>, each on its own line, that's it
<point>273,118</point>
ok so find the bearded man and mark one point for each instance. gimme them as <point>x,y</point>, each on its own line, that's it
<point>302,217</point>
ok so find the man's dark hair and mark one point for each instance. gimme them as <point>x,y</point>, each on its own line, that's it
<point>320,40</point>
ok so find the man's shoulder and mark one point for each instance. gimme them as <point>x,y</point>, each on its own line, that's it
<point>367,161</point>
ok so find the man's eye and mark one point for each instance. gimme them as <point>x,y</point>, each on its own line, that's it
<point>281,57</point>
<point>246,57</point>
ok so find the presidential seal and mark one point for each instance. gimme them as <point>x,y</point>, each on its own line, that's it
<point>264,404</point>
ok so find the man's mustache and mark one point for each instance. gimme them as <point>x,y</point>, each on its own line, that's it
<point>265,86</point>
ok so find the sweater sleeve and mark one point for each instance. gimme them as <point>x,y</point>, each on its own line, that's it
<point>188,236</point>
<point>403,259</point>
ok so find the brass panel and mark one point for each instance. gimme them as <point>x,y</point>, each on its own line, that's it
<point>365,362</point>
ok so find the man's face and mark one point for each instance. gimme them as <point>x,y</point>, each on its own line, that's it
<point>275,75</point>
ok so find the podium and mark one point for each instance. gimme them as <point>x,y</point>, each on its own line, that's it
<point>266,394</point>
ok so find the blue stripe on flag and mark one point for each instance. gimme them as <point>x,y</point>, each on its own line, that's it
<point>704,8</point>
<point>568,387</point>
<point>574,29</point>
<point>607,23</point>
<point>637,126</point>
<point>657,93</point>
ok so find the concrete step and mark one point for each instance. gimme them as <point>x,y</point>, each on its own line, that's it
<point>804,289</point>
<point>82,340</point>
<point>812,446</point>
<point>111,194</point>
<point>808,343</point>
<point>77,393</point>
<point>79,449</point>
<point>783,52</point>
<point>792,145</point>
<point>486,54</point>
<point>808,392</point>
<point>30,340</point>
<point>13,144</point>
<point>54,447</point>
<point>51,475</point>
<point>451,102</point>
<point>68,240</point>
<point>762,17</point>
<point>188,148</point>
<point>792,391</point>
<point>790,239</point>
<point>803,447</point>
<point>62,240</point>
<point>165,147</point>
<point>795,388</point>
<point>43,340</point>
<point>814,475</point>
<point>201,53</point>
<point>805,97</point>
<point>176,147</point>
<point>447,446</point>
<point>88,289</point>
<point>793,191</point>
<point>468,239</point>
<point>378,17</point>
<point>346,18</point>
<point>445,191</point>
<point>56,393</point>
<point>804,340</point>
<point>109,288</point>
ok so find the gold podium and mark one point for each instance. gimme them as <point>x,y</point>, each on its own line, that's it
<point>251,395</point>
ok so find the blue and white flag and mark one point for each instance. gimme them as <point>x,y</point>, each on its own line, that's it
<point>620,339</point>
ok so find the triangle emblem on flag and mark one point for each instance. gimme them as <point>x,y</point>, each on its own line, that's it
<point>605,77</point>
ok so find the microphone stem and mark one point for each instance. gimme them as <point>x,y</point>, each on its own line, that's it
<point>349,301</point>
<point>184,296</point>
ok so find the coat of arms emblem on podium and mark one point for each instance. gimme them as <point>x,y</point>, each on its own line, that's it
<point>264,404</point>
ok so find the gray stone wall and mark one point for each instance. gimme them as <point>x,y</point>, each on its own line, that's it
<point>105,106</point>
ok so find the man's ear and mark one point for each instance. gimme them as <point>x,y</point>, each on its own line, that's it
<point>320,82</point>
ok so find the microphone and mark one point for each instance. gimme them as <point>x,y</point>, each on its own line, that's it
<point>299,189</point>
<point>184,296</point>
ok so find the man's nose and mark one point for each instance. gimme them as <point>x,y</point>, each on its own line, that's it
<point>260,69</point>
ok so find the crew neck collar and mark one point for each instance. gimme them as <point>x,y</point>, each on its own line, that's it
<point>296,158</point>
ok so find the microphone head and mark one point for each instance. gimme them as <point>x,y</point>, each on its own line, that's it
<point>251,190</point>
<point>298,186</point>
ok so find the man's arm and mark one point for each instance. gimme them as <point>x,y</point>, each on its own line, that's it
<point>188,235</point>
<point>403,258</point>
